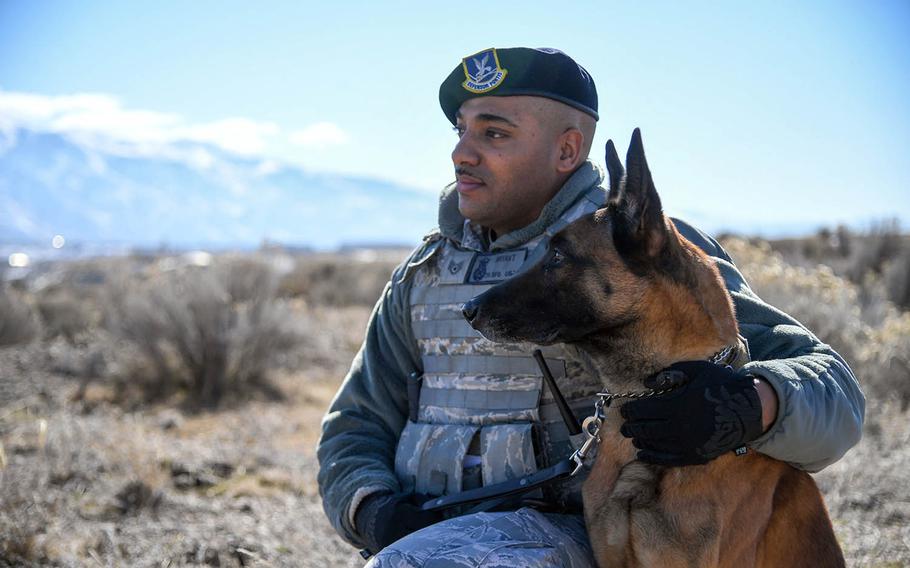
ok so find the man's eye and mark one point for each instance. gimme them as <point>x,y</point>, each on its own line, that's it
<point>459,130</point>
<point>495,134</point>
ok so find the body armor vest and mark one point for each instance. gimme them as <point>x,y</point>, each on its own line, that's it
<point>483,415</point>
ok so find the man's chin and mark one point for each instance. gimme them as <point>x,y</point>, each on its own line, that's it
<point>472,208</point>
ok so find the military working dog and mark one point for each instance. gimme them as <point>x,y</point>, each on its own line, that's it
<point>635,296</point>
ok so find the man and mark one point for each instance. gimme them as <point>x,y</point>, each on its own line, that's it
<point>430,408</point>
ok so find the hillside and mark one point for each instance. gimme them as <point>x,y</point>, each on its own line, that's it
<point>190,195</point>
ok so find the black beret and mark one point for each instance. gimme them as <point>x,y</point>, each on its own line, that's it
<point>542,72</point>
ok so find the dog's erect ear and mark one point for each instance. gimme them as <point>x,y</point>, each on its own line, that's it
<point>639,224</point>
<point>614,168</point>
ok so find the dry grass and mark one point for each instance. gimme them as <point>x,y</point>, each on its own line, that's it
<point>338,280</point>
<point>879,352</point>
<point>86,480</point>
<point>866,491</point>
<point>877,261</point>
<point>65,315</point>
<point>17,320</point>
<point>159,486</point>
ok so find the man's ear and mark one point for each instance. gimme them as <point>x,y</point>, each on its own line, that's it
<point>638,223</point>
<point>570,144</point>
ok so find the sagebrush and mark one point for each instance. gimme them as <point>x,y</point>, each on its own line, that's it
<point>17,319</point>
<point>337,281</point>
<point>208,331</point>
<point>870,333</point>
<point>65,315</point>
<point>877,260</point>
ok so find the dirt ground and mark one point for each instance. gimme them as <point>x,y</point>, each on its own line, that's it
<point>85,482</point>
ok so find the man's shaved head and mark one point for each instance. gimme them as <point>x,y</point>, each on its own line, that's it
<point>558,117</point>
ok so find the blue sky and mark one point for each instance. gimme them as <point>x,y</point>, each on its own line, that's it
<point>761,115</point>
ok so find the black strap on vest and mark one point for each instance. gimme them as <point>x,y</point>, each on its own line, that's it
<point>508,488</point>
<point>568,416</point>
<point>513,487</point>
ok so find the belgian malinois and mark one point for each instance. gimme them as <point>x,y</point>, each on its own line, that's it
<point>635,296</point>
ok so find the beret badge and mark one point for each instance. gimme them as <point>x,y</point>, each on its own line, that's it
<point>482,71</point>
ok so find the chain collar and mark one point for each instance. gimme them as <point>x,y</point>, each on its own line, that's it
<point>725,356</point>
<point>592,424</point>
<point>722,357</point>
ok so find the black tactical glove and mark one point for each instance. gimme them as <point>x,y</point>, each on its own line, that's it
<point>384,518</point>
<point>714,410</point>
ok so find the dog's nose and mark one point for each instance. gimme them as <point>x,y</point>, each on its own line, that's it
<point>469,310</point>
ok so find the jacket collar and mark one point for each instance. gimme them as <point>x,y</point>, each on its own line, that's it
<point>453,225</point>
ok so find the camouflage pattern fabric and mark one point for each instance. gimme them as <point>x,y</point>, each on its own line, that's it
<point>526,538</point>
<point>468,380</point>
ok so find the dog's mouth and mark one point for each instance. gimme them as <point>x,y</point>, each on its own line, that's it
<point>489,330</point>
<point>498,332</point>
<point>548,338</point>
<point>484,317</point>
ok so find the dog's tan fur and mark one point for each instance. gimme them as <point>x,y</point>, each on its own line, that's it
<point>738,512</point>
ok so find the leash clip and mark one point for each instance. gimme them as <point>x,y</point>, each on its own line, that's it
<point>591,428</point>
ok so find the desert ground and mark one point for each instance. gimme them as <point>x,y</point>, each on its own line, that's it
<point>200,450</point>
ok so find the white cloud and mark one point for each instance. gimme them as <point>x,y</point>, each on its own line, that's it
<point>240,135</point>
<point>319,135</point>
<point>267,167</point>
<point>103,119</point>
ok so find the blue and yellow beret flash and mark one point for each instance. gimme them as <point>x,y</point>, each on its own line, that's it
<point>542,72</point>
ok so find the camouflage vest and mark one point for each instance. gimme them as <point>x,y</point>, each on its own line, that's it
<point>485,414</point>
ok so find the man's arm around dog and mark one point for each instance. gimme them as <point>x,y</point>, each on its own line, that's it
<point>820,405</point>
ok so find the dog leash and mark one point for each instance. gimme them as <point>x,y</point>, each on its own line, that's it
<point>497,493</point>
<point>566,468</point>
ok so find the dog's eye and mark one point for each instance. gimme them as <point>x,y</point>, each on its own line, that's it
<point>558,257</point>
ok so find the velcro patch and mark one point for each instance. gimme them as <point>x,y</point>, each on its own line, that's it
<point>495,267</point>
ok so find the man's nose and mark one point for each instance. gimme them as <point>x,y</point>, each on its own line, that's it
<point>464,153</point>
<point>469,310</point>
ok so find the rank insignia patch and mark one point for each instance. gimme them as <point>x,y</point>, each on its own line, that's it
<point>482,71</point>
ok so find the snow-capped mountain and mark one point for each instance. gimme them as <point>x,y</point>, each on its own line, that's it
<point>188,195</point>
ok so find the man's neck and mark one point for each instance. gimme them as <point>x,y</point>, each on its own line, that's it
<point>453,224</point>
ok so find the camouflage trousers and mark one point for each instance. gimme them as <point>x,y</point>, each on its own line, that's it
<point>526,538</point>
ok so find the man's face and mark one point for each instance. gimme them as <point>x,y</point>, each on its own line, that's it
<point>505,161</point>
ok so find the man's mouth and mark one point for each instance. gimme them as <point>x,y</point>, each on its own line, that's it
<point>466,182</point>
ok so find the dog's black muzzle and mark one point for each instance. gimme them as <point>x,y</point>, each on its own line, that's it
<point>469,310</point>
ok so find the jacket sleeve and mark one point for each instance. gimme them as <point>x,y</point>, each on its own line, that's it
<point>360,431</point>
<point>821,407</point>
